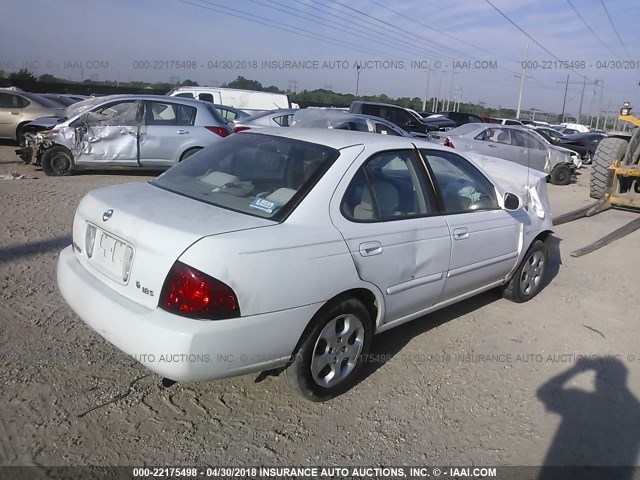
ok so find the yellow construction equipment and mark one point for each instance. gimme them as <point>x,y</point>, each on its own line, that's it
<point>614,182</point>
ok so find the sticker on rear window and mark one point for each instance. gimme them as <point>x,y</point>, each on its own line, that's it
<point>264,204</point>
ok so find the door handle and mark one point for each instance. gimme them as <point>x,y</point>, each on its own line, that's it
<point>460,233</point>
<point>492,145</point>
<point>182,132</point>
<point>368,249</point>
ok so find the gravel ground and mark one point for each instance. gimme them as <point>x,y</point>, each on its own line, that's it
<point>456,387</point>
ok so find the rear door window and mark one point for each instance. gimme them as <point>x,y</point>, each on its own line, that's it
<point>162,113</point>
<point>389,186</point>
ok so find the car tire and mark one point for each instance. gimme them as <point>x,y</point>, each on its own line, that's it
<point>588,158</point>
<point>561,175</point>
<point>57,162</point>
<point>342,331</point>
<point>188,153</point>
<point>526,283</point>
<point>609,150</point>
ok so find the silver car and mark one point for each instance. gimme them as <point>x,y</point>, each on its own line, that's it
<point>273,118</point>
<point>517,144</point>
<point>139,131</point>
<point>340,120</point>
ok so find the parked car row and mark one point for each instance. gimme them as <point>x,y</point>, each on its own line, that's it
<point>156,131</point>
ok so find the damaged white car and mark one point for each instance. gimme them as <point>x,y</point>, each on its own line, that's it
<point>130,131</point>
<point>286,250</point>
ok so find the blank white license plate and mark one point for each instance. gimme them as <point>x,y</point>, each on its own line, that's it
<point>109,254</point>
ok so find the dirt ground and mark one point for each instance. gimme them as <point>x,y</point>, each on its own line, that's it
<point>457,387</point>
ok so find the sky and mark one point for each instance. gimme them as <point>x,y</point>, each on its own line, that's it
<point>467,48</point>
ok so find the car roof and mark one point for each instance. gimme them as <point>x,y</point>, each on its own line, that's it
<point>344,138</point>
<point>381,104</point>
<point>183,100</point>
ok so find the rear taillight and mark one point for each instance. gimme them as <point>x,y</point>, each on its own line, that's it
<point>190,293</point>
<point>448,143</point>
<point>240,128</point>
<point>89,240</point>
<point>223,132</point>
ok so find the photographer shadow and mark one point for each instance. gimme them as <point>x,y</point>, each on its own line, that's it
<point>600,428</point>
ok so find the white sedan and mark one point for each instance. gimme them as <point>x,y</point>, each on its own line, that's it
<point>286,250</point>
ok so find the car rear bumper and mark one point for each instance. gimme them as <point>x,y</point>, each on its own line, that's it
<point>175,347</point>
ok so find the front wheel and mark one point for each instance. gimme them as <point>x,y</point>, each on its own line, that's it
<point>526,283</point>
<point>332,350</point>
<point>561,175</point>
<point>57,161</point>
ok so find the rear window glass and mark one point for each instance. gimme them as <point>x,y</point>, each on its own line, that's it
<point>261,175</point>
<point>46,102</point>
<point>462,129</point>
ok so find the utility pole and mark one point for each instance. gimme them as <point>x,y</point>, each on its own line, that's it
<point>437,100</point>
<point>426,91</point>
<point>600,104</point>
<point>584,85</point>
<point>358,67</point>
<point>453,72</point>
<point>606,118</point>
<point>564,100</point>
<point>524,72</point>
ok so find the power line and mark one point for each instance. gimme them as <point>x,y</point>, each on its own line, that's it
<point>403,44</point>
<point>285,27</point>
<point>615,29</point>
<point>527,35</point>
<point>367,24</point>
<point>395,27</point>
<point>590,29</point>
<point>437,31</point>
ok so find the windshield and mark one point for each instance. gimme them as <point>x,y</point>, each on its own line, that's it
<point>83,106</point>
<point>261,175</point>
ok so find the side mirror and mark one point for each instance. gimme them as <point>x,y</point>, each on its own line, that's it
<point>511,201</point>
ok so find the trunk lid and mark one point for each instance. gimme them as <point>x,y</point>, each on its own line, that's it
<point>143,229</point>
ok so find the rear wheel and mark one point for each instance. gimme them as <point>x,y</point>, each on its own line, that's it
<point>190,152</point>
<point>57,162</point>
<point>332,351</point>
<point>609,150</point>
<point>527,281</point>
<point>561,175</point>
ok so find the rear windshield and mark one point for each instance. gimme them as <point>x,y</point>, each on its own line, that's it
<point>45,102</point>
<point>462,129</point>
<point>261,175</point>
